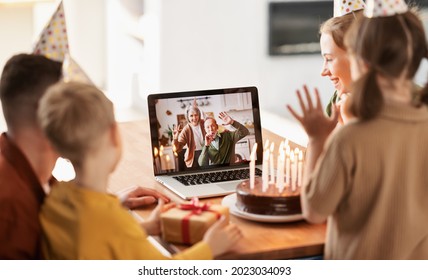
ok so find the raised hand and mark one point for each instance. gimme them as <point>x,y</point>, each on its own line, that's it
<point>209,138</point>
<point>176,131</point>
<point>313,119</point>
<point>225,118</point>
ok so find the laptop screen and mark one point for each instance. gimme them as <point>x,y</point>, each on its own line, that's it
<point>203,130</point>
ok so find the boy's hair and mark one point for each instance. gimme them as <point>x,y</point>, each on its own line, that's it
<point>74,116</point>
<point>337,27</point>
<point>388,46</point>
<point>24,80</point>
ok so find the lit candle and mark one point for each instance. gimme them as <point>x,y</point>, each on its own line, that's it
<point>287,166</point>
<point>271,170</point>
<point>293,171</point>
<point>156,161</point>
<point>168,162</point>
<point>265,171</point>
<point>300,170</point>
<point>253,165</point>
<point>280,168</point>
<point>266,145</point>
<point>174,150</point>
<point>162,158</point>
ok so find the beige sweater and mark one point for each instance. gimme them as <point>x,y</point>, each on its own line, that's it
<point>186,137</point>
<point>372,183</point>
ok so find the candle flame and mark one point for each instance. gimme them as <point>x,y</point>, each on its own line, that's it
<point>281,146</point>
<point>266,145</point>
<point>167,158</point>
<point>156,152</point>
<point>300,155</point>
<point>296,151</point>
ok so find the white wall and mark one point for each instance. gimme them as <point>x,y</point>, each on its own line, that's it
<point>15,36</point>
<point>86,28</point>
<point>222,43</point>
<point>16,32</point>
<point>168,109</point>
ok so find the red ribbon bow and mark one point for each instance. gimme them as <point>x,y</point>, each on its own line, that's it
<point>196,208</point>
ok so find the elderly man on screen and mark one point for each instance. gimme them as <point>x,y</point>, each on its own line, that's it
<point>219,148</point>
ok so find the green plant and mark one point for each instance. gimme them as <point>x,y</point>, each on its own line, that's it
<point>169,132</point>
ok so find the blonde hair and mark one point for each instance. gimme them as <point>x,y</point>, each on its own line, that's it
<point>74,116</point>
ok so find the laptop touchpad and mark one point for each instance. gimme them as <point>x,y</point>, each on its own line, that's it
<point>228,186</point>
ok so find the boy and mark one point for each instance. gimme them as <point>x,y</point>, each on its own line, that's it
<point>79,121</point>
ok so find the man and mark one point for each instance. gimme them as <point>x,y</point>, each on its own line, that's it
<point>219,148</point>
<point>27,158</point>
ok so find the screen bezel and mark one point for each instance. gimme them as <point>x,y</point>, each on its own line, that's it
<point>154,133</point>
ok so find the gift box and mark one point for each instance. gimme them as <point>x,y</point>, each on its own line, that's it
<point>187,223</point>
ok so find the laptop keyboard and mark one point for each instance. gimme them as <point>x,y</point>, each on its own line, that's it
<point>215,177</point>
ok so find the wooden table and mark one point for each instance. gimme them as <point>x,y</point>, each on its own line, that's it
<point>261,240</point>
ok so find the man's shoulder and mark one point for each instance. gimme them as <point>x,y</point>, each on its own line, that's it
<point>8,179</point>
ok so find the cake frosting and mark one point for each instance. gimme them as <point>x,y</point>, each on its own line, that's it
<point>269,202</point>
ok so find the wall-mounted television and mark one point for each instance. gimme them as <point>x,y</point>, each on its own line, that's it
<point>294,26</point>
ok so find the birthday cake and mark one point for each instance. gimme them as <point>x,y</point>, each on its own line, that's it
<point>271,201</point>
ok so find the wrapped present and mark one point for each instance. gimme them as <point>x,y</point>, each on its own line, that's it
<point>187,223</point>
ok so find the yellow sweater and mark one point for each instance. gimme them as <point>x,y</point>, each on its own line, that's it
<point>82,224</point>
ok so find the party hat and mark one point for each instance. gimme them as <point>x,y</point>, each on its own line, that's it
<point>53,41</point>
<point>385,8</point>
<point>344,7</point>
<point>71,71</point>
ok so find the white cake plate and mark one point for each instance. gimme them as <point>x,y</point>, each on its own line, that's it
<point>230,201</point>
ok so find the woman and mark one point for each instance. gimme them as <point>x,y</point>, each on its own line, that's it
<point>336,62</point>
<point>371,181</point>
<point>192,136</point>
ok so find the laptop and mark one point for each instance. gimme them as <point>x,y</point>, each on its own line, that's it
<point>209,174</point>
